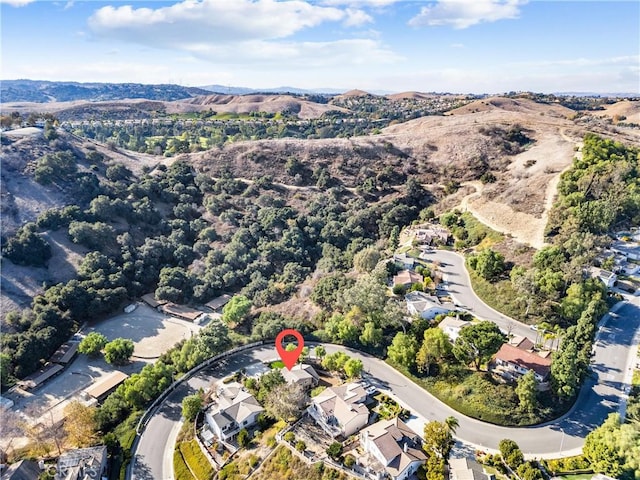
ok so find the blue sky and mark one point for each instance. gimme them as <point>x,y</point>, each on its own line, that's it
<point>466,46</point>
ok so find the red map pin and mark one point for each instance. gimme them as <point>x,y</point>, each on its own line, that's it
<point>289,358</point>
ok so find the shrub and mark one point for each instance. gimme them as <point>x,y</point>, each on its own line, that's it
<point>349,461</point>
<point>244,438</point>
<point>289,437</point>
<point>301,446</point>
<point>511,453</point>
<point>335,450</point>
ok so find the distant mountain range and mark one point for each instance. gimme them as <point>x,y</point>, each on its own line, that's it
<point>42,91</point>
<point>231,90</point>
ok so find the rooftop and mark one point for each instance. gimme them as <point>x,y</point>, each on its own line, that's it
<point>299,373</point>
<point>218,302</point>
<point>396,442</point>
<point>65,353</point>
<point>99,389</point>
<point>343,402</point>
<point>407,276</point>
<point>524,359</point>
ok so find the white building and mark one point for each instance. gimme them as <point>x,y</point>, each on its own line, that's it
<point>302,374</point>
<point>451,326</point>
<point>233,410</point>
<point>340,410</point>
<point>395,446</point>
<point>426,306</point>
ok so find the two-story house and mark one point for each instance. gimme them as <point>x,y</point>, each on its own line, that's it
<point>395,446</point>
<point>82,464</point>
<point>302,374</point>
<point>340,410</point>
<point>512,362</point>
<point>232,410</point>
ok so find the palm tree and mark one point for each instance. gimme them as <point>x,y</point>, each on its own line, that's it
<point>452,424</point>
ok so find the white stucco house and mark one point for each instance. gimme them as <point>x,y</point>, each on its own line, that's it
<point>233,409</point>
<point>340,411</point>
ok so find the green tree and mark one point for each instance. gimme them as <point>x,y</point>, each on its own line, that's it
<point>118,351</point>
<point>478,342</point>
<point>236,310</point>
<point>191,405</point>
<point>371,335</point>
<point>320,352</point>
<point>353,368</point>
<point>488,264</point>
<point>366,260</point>
<point>403,350</point>
<point>614,448</point>
<point>435,346</point>
<point>438,439</point>
<point>527,391</point>
<point>92,344</point>
<point>27,247</point>
<point>335,361</point>
<point>335,450</point>
<point>564,369</point>
<point>212,340</point>
<point>511,453</point>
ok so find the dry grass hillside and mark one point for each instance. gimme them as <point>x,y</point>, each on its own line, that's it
<point>431,149</point>
<point>304,109</point>
<point>630,109</point>
<point>524,144</point>
<point>131,109</point>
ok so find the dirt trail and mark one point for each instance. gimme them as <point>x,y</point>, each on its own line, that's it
<point>524,227</point>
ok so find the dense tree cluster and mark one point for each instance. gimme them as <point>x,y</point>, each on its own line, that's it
<point>614,448</point>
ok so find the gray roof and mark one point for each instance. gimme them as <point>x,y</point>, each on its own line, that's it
<point>22,470</point>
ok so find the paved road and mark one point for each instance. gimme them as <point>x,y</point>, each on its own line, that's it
<point>601,394</point>
<point>458,284</point>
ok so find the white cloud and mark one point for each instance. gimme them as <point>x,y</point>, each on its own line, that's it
<point>17,3</point>
<point>288,55</point>
<point>219,21</point>
<point>457,45</point>
<point>361,3</point>
<point>464,13</point>
<point>355,18</point>
<point>243,31</point>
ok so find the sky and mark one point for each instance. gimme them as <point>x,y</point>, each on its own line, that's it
<point>461,46</point>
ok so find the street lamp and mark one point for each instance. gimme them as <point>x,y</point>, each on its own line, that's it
<point>561,441</point>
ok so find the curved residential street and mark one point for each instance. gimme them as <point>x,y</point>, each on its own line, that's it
<point>603,392</point>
